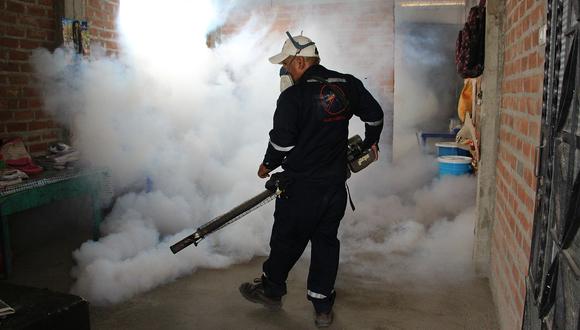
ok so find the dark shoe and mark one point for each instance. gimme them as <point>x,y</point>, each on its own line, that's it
<point>254,292</point>
<point>323,320</point>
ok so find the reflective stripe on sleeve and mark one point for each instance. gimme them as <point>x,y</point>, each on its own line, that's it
<point>316,295</point>
<point>374,123</point>
<point>280,148</point>
<point>330,80</point>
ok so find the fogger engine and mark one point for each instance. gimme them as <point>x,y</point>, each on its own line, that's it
<point>358,157</point>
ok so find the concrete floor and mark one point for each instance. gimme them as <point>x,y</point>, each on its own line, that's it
<point>209,299</point>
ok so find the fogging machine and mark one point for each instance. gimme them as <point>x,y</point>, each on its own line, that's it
<point>358,157</point>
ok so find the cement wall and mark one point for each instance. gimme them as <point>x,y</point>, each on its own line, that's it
<point>489,134</point>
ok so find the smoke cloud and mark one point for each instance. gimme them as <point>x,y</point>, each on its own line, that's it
<point>410,224</point>
<point>426,81</point>
<point>194,122</point>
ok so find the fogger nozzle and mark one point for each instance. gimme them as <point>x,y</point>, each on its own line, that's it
<point>194,239</point>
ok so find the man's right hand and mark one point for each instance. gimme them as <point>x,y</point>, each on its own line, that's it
<point>263,171</point>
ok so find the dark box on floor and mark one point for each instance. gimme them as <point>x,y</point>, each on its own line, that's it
<point>43,309</point>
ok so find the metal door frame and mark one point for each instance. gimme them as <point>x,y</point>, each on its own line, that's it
<point>553,282</point>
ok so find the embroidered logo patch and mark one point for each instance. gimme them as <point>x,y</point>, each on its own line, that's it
<point>332,104</point>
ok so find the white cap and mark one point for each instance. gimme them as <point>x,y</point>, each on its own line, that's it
<point>289,49</point>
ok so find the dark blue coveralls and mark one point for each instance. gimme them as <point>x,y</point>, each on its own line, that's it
<point>309,140</point>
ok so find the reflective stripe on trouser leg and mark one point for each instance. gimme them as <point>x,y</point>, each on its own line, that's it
<point>322,305</point>
<point>316,295</point>
<point>325,252</point>
<point>290,234</point>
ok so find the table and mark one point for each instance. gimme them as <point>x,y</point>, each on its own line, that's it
<point>48,187</point>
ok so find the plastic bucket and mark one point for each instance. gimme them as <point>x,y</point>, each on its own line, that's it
<point>454,165</point>
<point>452,149</point>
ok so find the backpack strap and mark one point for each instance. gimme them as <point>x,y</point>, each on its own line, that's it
<point>349,197</point>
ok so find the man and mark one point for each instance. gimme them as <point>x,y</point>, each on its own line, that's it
<point>309,140</point>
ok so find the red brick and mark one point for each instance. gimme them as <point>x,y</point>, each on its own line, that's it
<point>106,34</point>
<point>534,129</point>
<point>522,103</point>
<point>537,84</point>
<point>13,31</point>
<point>46,23</point>
<point>527,149</point>
<point>5,115</point>
<point>91,13</point>
<point>16,127</point>
<point>19,79</point>
<point>533,60</point>
<point>34,103</point>
<point>38,147</point>
<point>95,3</point>
<point>36,34</point>
<point>522,196</point>
<point>33,138</point>
<point>52,124</point>
<point>27,21</point>
<point>37,125</point>
<point>22,103</point>
<point>23,115</point>
<point>10,91</point>
<point>28,44</point>
<point>510,220</point>
<point>29,91</point>
<point>527,226</point>
<point>97,23</point>
<point>32,10</point>
<point>7,42</point>
<point>531,106</point>
<point>15,7</point>
<point>523,126</point>
<point>16,55</point>
<point>50,136</point>
<point>41,115</point>
<point>8,104</point>
<point>8,18</point>
<point>111,45</point>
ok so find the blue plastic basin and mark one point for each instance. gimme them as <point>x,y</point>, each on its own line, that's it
<point>452,149</point>
<point>454,165</point>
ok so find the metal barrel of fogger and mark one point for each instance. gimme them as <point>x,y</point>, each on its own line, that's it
<point>223,220</point>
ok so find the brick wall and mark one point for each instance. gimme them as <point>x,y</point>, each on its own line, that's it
<point>102,15</point>
<point>24,26</point>
<point>520,117</point>
<point>351,22</point>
